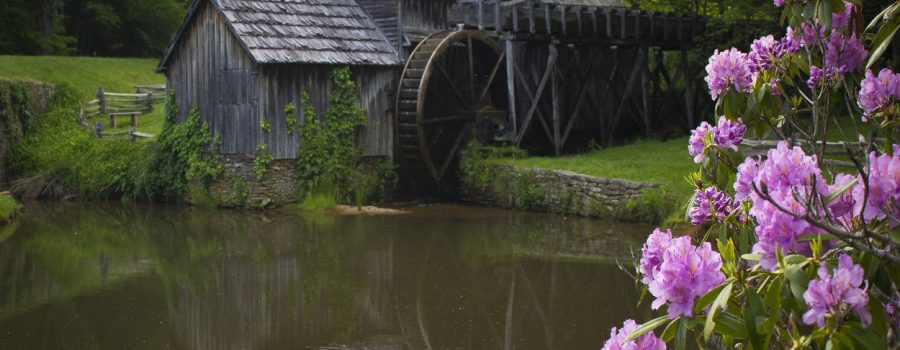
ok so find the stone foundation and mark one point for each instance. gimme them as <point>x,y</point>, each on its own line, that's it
<point>554,190</point>
<point>237,185</point>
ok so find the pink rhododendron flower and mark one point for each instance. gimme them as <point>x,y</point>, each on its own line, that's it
<point>652,253</point>
<point>830,293</point>
<point>726,70</point>
<point>710,204</point>
<point>617,337</point>
<point>789,176</point>
<point>876,92</point>
<point>884,189</point>
<point>685,273</point>
<point>697,142</point>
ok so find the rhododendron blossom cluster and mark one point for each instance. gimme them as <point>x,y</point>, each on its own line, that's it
<point>726,70</point>
<point>711,204</point>
<point>727,135</point>
<point>617,338</point>
<point>789,177</point>
<point>832,292</point>
<point>684,273</point>
<point>876,92</point>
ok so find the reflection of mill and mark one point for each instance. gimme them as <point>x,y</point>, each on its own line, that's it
<point>511,303</point>
<point>399,298</point>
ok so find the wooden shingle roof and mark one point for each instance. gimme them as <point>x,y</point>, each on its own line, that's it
<point>303,31</point>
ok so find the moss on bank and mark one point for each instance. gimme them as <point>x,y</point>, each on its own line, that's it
<point>9,207</point>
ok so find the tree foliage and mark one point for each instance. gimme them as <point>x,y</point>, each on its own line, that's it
<point>124,28</point>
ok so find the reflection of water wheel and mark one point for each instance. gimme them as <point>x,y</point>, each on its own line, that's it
<point>451,83</point>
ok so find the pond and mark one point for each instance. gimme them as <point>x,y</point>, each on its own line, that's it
<point>113,276</point>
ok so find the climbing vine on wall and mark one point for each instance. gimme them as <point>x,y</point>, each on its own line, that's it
<point>327,156</point>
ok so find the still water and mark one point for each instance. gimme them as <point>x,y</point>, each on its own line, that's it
<point>107,276</point>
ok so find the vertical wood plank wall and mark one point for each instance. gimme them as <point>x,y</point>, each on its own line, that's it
<point>211,71</point>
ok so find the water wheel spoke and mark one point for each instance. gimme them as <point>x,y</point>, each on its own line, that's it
<point>452,153</point>
<point>459,95</point>
<point>490,80</point>
<point>448,119</point>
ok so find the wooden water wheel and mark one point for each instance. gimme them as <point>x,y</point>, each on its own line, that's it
<point>451,89</point>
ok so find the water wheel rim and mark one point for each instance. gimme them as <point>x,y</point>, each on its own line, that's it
<point>470,38</point>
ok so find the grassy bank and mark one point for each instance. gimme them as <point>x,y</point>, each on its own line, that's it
<point>662,162</point>
<point>86,74</point>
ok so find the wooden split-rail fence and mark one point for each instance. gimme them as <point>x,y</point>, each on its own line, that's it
<point>112,102</point>
<point>119,105</point>
<point>829,151</point>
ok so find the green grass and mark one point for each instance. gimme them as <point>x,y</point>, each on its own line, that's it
<point>319,200</point>
<point>86,74</point>
<point>665,163</point>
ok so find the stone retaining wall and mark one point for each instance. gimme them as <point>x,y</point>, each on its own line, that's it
<point>556,190</point>
<point>21,102</point>
<point>237,185</point>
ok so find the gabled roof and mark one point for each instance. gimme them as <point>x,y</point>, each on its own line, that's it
<point>300,31</point>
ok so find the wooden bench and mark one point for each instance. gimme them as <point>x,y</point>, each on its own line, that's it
<point>113,116</point>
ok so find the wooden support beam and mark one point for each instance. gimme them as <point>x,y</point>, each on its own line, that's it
<point>551,63</point>
<point>554,93</point>
<point>578,20</point>
<point>511,84</point>
<point>622,34</point>
<point>645,75</point>
<point>531,27</point>
<point>547,21</point>
<point>635,74</point>
<point>515,18</point>
<point>562,16</point>
<point>594,65</point>
<point>688,100</point>
<point>608,23</point>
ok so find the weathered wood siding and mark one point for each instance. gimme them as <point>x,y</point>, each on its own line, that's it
<point>422,17</point>
<point>211,71</point>
<point>386,15</point>
<point>282,84</point>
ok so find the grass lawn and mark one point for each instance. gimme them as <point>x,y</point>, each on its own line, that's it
<point>666,163</point>
<point>86,74</point>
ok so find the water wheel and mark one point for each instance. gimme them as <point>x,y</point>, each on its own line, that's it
<point>451,89</point>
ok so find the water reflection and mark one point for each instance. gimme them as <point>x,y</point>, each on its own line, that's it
<point>150,277</point>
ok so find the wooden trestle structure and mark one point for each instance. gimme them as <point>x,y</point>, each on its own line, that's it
<point>540,74</point>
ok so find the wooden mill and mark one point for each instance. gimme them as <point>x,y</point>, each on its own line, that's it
<point>545,75</point>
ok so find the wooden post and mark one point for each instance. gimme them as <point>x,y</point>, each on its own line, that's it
<point>645,67</point>
<point>101,100</point>
<point>511,85</point>
<point>149,100</point>
<point>554,93</point>
<point>133,120</point>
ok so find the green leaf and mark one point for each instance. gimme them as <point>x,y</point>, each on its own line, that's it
<point>669,333</point>
<point>681,337</point>
<point>798,280</point>
<point>707,299</point>
<point>795,259</point>
<point>882,41</point>
<point>720,301</point>
<point>647,327</point>
<point>751,257</point>
<point>839,191</point>
<point>864,336</point>
<point>731,325</point>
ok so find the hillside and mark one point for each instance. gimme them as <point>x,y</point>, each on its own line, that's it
<point>86,74</point>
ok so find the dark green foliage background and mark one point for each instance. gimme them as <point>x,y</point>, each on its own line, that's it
<point>121,28</point>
